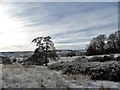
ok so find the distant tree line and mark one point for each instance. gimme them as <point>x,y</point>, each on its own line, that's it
<point>104,45</point>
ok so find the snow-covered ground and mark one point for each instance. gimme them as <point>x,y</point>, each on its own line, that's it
<point>64,59</point>
<point>0,75</point>
<point>115,55</point>
<point>17,76</point>
<point>84,81</point>
<point>69,59</point>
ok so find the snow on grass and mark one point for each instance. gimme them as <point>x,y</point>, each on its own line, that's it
<point>115,55</point>
<point>18,76</point>
<point>79,82</point>
<point>30,77</point>
<point>64,59</point>
<point>0,75</point>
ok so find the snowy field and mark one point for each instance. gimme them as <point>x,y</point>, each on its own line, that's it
<point>69,59</point>
<point>18,76</point>
<point>0,75</point>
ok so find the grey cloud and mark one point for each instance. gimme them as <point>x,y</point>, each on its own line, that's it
<point>63,20</point>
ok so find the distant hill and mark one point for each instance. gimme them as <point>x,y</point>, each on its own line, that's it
<point>18,54</point>
<point>26,54</point>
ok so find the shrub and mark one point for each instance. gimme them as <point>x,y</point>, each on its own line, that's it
<point>5,60</point>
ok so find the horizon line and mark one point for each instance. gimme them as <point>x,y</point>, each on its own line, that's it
<point>33,50</point>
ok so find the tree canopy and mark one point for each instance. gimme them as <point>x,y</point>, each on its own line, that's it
<point>104,45</point>
<point>45,50</point>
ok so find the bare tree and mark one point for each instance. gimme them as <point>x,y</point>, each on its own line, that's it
<point>92,47</point>
<point>100,39</point>
<point>112,41</point>
<point>118,40</point>
<point>94,43</point>
<point>97,45</point>
<point>101,44</point>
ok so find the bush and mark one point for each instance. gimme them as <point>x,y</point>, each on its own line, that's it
<point>5,60</point>
<point>70,54</point>
<point>38,58</point>
<point>117,58</point>
<point>57,66</point>
<point>94,59</point>
<point>99,70</point>
<point>108,58</point>
<point>102,59</point>
<point>109,71</point>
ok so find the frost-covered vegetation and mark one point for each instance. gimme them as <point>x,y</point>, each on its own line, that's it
<point>104,45</point>
<point>98,68</point>
<point>32,76</point>
<point>5,60</point>
<point>26,76</point>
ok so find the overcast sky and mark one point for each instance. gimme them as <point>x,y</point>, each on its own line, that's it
<point>70,24</point>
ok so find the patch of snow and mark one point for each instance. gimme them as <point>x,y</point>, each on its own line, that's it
<point>0,75</point>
